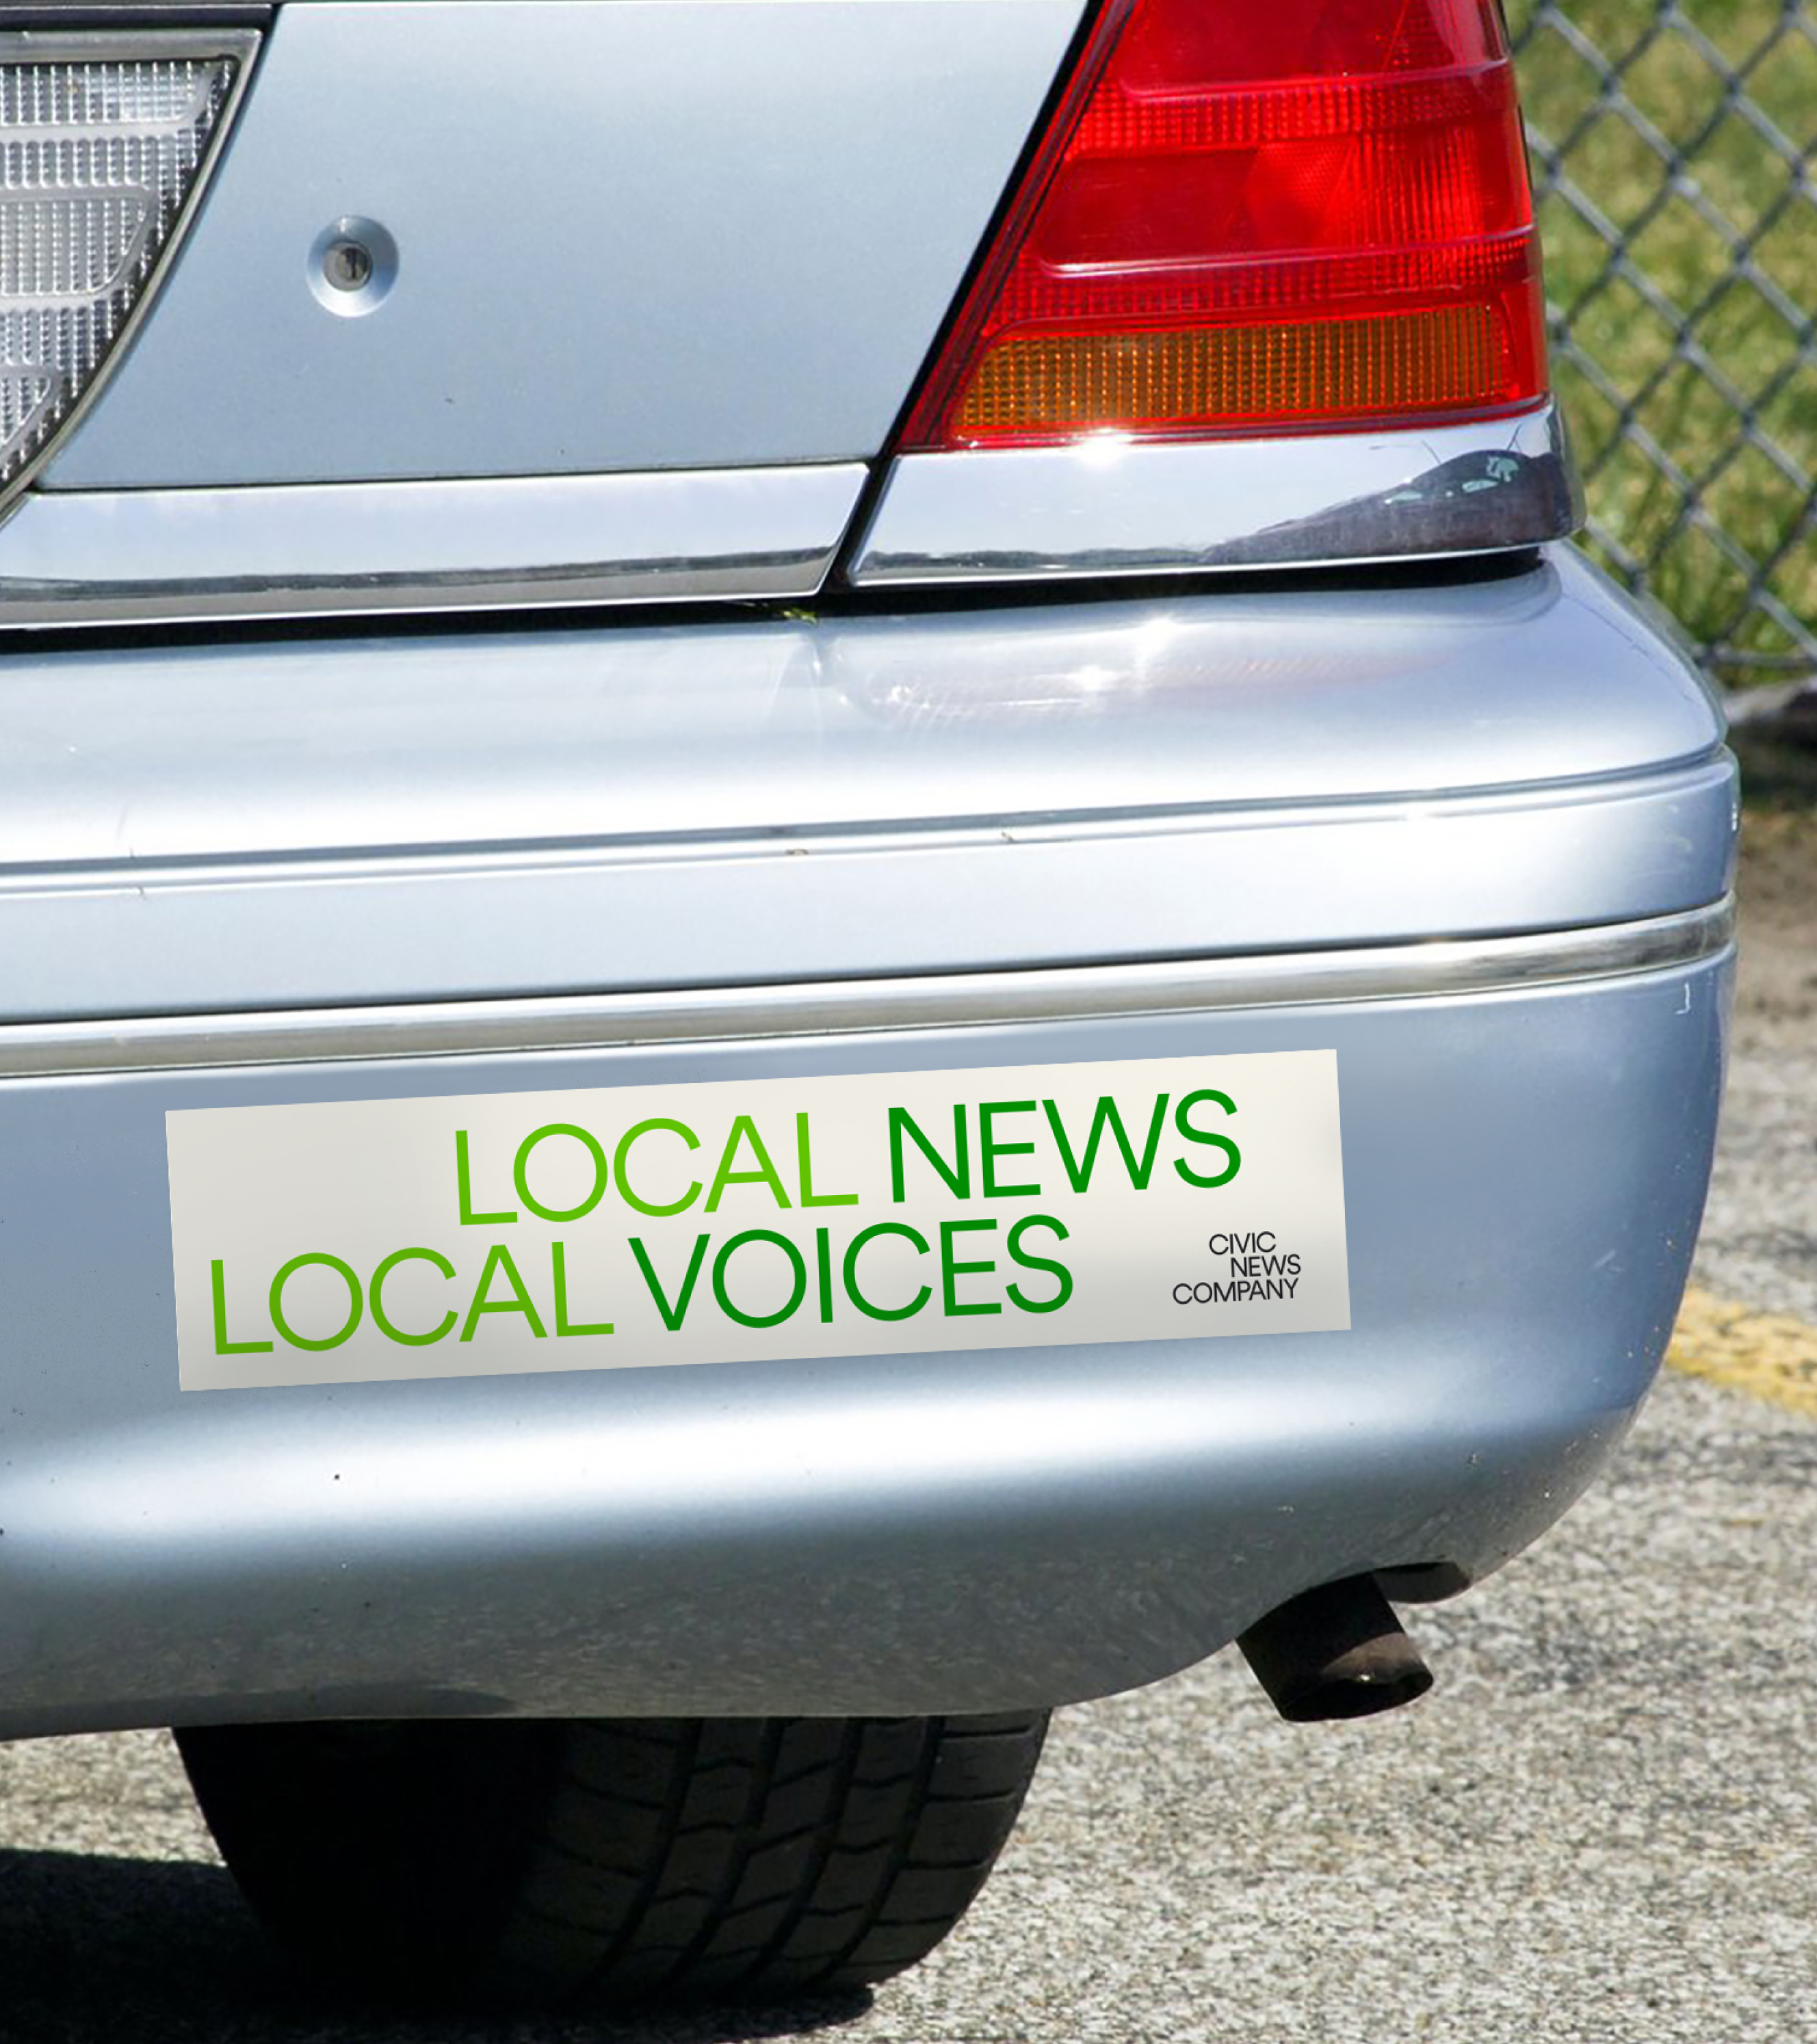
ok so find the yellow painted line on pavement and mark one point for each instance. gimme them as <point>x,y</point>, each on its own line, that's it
<point>1770,1355</point>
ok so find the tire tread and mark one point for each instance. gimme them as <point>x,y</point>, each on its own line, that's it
<point>632,1859</point>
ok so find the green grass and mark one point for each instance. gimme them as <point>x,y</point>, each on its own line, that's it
<point>1690,277</point>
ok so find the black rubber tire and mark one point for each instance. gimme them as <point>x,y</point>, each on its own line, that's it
<point>613,1860</point>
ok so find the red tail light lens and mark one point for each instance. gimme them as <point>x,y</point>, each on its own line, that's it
<point>1258,216</point>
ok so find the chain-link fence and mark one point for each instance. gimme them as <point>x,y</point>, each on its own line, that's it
<point>1673,146</point>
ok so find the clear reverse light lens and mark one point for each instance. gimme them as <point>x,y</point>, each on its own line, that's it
<point>101,148</point>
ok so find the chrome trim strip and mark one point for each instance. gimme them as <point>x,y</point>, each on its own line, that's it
<point>28,46</point>
<point>1112,506</point>
<point>92,557</point>
<point>1395,972</point>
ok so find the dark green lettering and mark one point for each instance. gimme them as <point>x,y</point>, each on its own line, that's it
<point>1058,1271</point>
<point>1204,1136</point>
<point>857,1298</point>
<point>950,1270</point>
<point>1107,1116</point>
<point>990,1148</point>
<point>672,1315</point>
<point>958,1179</point>
<point>797,1265</point>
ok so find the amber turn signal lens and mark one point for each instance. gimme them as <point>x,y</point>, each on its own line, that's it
<point>1231,376</point>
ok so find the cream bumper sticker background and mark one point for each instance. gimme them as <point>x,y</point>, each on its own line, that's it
<point>869,1214</point>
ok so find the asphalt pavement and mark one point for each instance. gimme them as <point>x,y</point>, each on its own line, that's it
<point>1601,1826</point>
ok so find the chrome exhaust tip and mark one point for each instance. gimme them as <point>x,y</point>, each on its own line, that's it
<point>1338,1651</point>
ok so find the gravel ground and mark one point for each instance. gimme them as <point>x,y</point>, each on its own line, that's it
<point>1759,1243</point>
<point>1601,1828</point>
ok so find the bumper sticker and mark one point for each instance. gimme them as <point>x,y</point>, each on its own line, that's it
<point>763,1220</point>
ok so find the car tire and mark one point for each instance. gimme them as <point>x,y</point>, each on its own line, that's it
<point>613,1861</point>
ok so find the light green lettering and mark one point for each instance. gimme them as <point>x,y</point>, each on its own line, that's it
<point>463,1181</point>
<point>809,1196</point>
<point>218,1284</point>
<point>382,1321</point>
<point>498,1258</point>
<point>519,1169</point>
<point>355,1305</point>
<point>744,1130</point>
<point>621,1155</point>
<point>557,1258</point>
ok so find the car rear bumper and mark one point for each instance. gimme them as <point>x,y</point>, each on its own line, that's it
<point>291,873</point>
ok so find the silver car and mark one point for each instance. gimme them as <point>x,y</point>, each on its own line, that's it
<point>826,914</point>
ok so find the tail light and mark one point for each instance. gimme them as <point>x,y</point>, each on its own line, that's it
<point>104,141</point>
<point>1250,216</point>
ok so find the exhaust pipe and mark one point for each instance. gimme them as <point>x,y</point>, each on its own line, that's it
<point>1338,1651</point>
